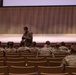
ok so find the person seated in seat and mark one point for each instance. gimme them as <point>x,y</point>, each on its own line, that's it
<point>56,49</point>
<point>34,49</point>
<point>46,50</point>
<point>23,46</point>
<point>1,48</point>
<point>70,60</point>
<point>10,47</point>
<point>63,48</point>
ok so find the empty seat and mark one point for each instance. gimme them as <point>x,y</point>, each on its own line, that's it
<point>54,74</point>
<point>22,74</point>
<point>70,69</point>
<point>36,63</point>
<point>60,55</point>
<point>54,63</point>
<point>27,55</point>
<point>48,69</point>
<point>54,59</point>
<point>1,53</point>
<point>22,70</point>
<point>74,73</point>
<point>12,56</point>
<point>1,63</point>
<point>2,74</point>
<point>15,59</point>
<point>15,63</point>
<point>4,69</point>
<point>11,53</point>
<point>2,58</point>
<point>35,58</point>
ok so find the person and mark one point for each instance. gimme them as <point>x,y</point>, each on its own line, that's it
<point>1,49</point>
<point>23,46</point>
<point>63,48</point>
<point>56,49</point>
<point>10,47</point>
<point>46,50</point>
<point>70,60</point>
<point>28,36</point>
<point>34,49</point>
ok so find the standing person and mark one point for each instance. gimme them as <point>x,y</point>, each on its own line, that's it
<point>28,36</point>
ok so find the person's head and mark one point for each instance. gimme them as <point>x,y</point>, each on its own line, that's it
<point>62,43</point>
<point>25,29</point>
<point>10,44</point>
<point>73,50</point>
<point>34,44</point>
<point>47,44</point>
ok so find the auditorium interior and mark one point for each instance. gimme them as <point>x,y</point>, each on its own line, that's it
<point>56,24</point>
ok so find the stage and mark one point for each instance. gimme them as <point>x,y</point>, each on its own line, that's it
<point>40,38</point>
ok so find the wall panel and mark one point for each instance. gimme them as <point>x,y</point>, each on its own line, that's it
<point>40,20</point>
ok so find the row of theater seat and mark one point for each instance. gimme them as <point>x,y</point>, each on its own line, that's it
<point>24,53</point>
<point>47,70</point>
<point>23,62</point>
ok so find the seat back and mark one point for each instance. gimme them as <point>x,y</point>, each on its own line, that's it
<point>54,59</point>
<point>22,74</point>
<point>60,55</point>
<point>1,53</point>
<point>22,70</point>
<point>4,70</point>
<point>37,63</point>
<point>1,63</point>
<point>2,58</point>
<point>35,59</point>
<point>47,69</point>
<point>54,74</point>
<point>70,69</point>
<point>15,63</point>
<point>74,73</point>
<point>1,73</point>
<point>54,63</point>
<point>15,59</point>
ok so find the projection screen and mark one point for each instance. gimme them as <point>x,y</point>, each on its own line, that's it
<point>38,2</point>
